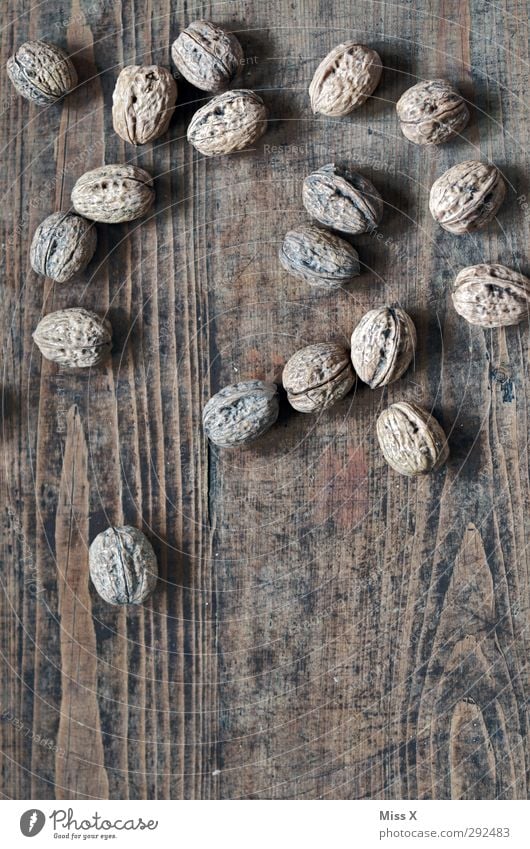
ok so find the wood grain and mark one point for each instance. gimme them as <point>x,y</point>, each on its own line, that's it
<point>322,628</point>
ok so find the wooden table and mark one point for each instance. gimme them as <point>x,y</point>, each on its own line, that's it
<point>323,628</point>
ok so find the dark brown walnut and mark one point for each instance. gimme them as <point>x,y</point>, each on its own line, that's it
<point>319,257</point>
<point>345,79</point>
<point>432,112</point>
<point>114,193</point>
<point>229,122</point>
<point>240,413</point>
<point>411,440</point>
<point>76,338</point>
<point>123,565</point>
<point>318,376</point>
<point>63,245</point>
<point>467,196</point>
<point>41,72</point>
<point>342,200</point>
<point>207,56</point>
<point>491,295</point>
<point>383,345</point>
<point>143,102</point>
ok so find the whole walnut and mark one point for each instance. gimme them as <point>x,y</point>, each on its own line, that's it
<point>41,72</point>
<point>207,56</point>
<point>411,440</point>
<point>114,193</point>
<point>345,79</point>
<point>143,102</point>
<point>63,244</point>
<point>432,112</point>
<point>319,257</point>
<point>491,295</point>
<point>123,565</point>
<point>342,200</point>
<point>318,376</point>
<point>467,196</point>
<point>240,413</point>
<point>383,345</point>
<point>229,122</point>
<point>76,338</point>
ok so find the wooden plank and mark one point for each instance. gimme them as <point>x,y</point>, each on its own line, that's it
<point>322,628</point>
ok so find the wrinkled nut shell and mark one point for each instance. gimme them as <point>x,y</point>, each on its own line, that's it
<point>63,244</point>
<point>41,72</point>
<point>345,79</point>
<point>240,413</point>
<point>207,56</point>
<point>411,440</point>
<point>342,200</point>
<point>491,295</point>
<point>318,257</point>
<point>123,565</point>
<point>467,196</point>
<point>113,193</point>
<point>229,122</point>
<point>75,338</point>
<point>318,376</point>
<point>143,102</point>
<point>383,345</point>
<point>432,112</point>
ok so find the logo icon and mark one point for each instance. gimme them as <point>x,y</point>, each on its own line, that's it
<point>32,822</point>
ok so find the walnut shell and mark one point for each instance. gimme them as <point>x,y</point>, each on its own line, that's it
<point>143,102</point>
<point>123,565</point>
<point>113,193</point>
<point>432,112</point>
<point>207,56</point>
<point>75,338</point>
<point>318,376</point>
<point>467,196</point>
<point>62,245</point>
<point>342,200</point>
<point>383,345</point>
<point>229,122</point>
<point>411,440</point>
<point>240,413</point>
<point>318,257</point>
<point>41,72</point>
<point>491,295</point>
<point>345,79</point>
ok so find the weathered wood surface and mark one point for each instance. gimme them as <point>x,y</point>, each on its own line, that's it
<point>323,628</point>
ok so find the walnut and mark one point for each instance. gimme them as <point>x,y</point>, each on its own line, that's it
<point>240,413</point>
<point>113,193</point>
<point>75,338</point>
<point>342,200</point>
<point>467,196</point>
<point>62,245</point>
<point>229,122</point>
<point>491,295</point>
<point>318,376</point>
<point>143,102</point>
<point>318,257</point>
<point>382,346</point>
<point>345,79</point>
<point>123,565</point>
<point>411,440</point>
<point>41,72</point>
<point>432,112</point>
<point>207,56</point>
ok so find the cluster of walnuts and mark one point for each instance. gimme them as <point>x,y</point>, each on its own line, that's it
<point>465,198</point>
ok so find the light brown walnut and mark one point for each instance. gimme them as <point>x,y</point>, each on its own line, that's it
<point>412,441</point>
<point>491,295</point>
<point>345,79</point>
